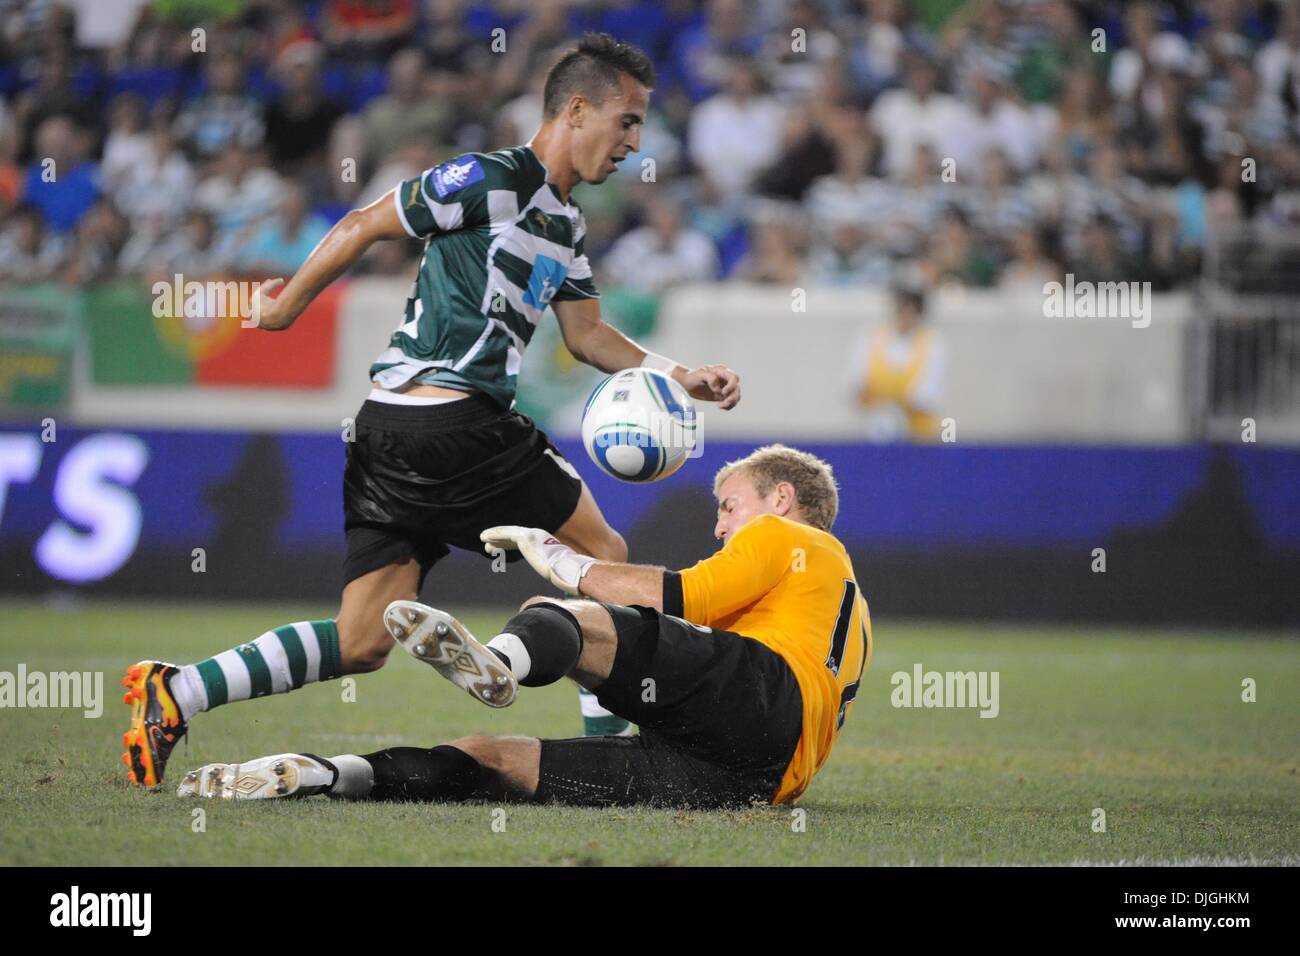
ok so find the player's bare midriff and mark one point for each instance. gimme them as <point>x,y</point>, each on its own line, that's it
<point>431,391</point>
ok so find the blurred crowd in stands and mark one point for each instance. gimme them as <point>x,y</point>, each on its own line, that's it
<point>795,142</point>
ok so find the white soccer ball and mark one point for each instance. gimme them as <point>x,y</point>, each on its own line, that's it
<point>639,425</point>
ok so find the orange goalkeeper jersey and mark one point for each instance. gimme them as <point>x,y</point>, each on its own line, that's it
<point>791,587</point>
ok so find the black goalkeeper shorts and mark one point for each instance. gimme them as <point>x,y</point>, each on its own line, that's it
<point>719,714</point>
<point>421,479</point>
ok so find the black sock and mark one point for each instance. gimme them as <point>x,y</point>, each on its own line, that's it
<point>553,639</point>
<point>412,773</point>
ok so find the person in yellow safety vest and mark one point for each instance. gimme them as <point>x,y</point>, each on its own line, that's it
<point>901,378</point>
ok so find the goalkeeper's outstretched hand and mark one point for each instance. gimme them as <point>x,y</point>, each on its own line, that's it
<point>556,562</point>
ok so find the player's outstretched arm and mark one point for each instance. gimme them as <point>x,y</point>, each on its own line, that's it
<point>579,574</point>
<point>595,342</point>
<point>749,565</point>
<point>625,584</point>
<point>342,246</point>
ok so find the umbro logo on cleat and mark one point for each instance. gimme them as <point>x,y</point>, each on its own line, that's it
<point>246,784</point>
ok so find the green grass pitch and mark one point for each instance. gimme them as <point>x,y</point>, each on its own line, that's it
<point>1149,726</point>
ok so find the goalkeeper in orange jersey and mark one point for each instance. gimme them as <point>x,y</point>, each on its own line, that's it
<point>739,671</point>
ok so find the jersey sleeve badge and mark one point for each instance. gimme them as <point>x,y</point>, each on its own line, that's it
<point>454,175</point>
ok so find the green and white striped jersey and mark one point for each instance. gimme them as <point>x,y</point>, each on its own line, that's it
<point>500,245</point>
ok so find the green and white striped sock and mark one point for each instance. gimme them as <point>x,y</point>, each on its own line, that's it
<point>277,662</point>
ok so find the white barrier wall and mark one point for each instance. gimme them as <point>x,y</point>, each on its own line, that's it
<point>1013,375</point>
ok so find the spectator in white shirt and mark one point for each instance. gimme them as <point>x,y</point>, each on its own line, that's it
<point>851,192</point>
<point>225,114</point>
<point>905,212</point>
<point>735,135</point>
<point>877,56</point>
<point>797,72</point>
<point>28,252</point>
<point>1278,63</point>
<point>127,143</point>
<point>1247,116</point>
<point>239,195</point>
<point>103,25</point>
<point>1147,49</point>
<point>662,253</point>
<point>999,205</point>
<point>992,120</point>
<point>917,115</point>
<point>155,192</point>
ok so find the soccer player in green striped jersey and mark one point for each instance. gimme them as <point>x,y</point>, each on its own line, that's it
<point>439,454</point>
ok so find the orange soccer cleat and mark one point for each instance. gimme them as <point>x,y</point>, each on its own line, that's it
<point>156,721</point>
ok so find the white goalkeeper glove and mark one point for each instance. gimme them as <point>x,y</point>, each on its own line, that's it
<point>558,563</point>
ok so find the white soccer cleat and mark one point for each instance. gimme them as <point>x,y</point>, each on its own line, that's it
<point>267,778</point>
<point>445,644</point>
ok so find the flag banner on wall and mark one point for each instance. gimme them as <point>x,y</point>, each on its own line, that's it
<point>177,333</point>
<point>38,327</point>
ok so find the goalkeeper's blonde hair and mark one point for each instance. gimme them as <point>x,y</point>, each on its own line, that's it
<point>812,478</point>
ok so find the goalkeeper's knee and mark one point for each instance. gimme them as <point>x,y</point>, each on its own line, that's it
<point>540,644</point>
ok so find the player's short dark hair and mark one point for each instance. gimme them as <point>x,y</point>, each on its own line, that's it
<point>592,69</point>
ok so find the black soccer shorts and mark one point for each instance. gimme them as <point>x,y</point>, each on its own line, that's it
<point>421,479</point>
<point>719,714</point>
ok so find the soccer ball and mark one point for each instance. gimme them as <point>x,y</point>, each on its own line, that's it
<point>639,425</point>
